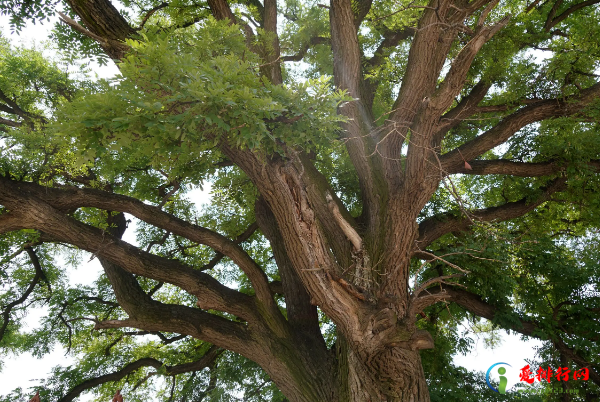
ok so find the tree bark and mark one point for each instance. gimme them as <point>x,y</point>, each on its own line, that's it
<point>394,375</point>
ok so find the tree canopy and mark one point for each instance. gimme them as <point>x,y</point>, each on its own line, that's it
<point>381,172</point>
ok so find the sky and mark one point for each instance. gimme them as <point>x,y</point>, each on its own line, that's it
<point>25,370</point>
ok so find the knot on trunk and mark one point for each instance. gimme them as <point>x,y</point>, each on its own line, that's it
<point>419,339</point>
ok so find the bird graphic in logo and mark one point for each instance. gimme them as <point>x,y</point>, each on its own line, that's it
<point>503,381</point>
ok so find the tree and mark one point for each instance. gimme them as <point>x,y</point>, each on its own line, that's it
<point>441,175</point>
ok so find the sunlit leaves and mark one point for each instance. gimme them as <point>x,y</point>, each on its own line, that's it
<point>178,96</point>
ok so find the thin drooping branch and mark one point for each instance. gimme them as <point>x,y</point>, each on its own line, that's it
<point>476,305</point>
<point>163,338</point>
<point>433,228</point>
<point>422,298</point>
<point>510,125</point>
<point>39,274</point>
<point>150,13</point>
<point>95,299</point>
<point>205,361</point>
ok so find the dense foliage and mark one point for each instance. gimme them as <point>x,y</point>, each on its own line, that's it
<point>496,167</point>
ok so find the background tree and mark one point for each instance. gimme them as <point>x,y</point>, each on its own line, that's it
<point>441,175</point>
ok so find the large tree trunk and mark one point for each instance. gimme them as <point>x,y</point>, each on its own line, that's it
<point>394,375</point>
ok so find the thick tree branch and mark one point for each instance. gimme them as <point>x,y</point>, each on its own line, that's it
<point>102,22</point>
<point>477,306</point>
<point>454,81</point>
<point>150,315</point>
<point>576,358</point>
<point>288,187</point>
<point>76,26</point>
<point>271,68</point>
<point>513,123</point>
<point>221,11</point>
<point>238,240</point>
<point>434,104</point>
<point>10,221</point>
<point>301,314</point>
<point>391,39</point>
<point>348,230</point>
<point>317,187</point>
<point>431,44</point>
<point>71,198</point>
<point>501,166</point>
<point>433,228</point>
<point>552,21</point>
<point>361,9</point>
<point>314,41</point>
<point>10,123</point>
<point>210,293</point>
<point>417,107</point>
<point>465,108</point>
<point>205,361</point>
<point>360,134</point>
<point>520,169</point>
<point>14,107</point>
